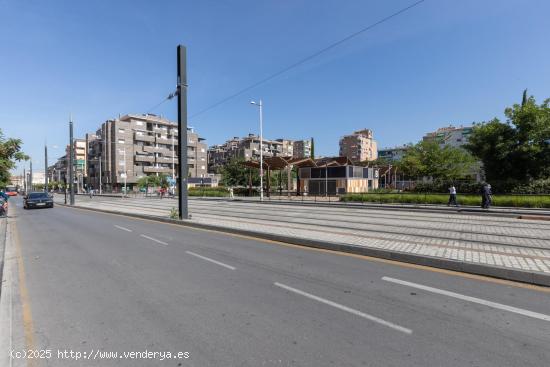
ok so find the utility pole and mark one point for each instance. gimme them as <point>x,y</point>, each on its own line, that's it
<point>260,106</point>
<point>71,161</point>
<point>30,176</point>
<point>125,170</point>
<point>45,168</point>
<point>25,180</point>
<point>100,175</point>
<point>182,132</point>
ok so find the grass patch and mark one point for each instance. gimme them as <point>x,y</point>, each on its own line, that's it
<point>519,201</point>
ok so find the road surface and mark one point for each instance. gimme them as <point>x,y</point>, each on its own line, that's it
<point>92,283</point>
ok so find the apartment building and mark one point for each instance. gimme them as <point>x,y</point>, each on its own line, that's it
<point>247,148</point>
<point>394,153</point>
<point>301,149</point>
<point>450,136</point>
<point>359,146</point>
<point>58,170</point>
<point>133,146</point>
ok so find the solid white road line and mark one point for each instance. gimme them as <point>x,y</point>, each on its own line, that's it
<point>211,260</point>
<point>480,301</point>
<point>154,239</point>
<point>347,309</point>
<point>123,228</point>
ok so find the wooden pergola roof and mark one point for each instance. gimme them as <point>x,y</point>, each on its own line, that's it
<point>277,163</point>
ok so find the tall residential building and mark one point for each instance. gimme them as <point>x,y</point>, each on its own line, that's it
<point>301,148</point>
<point>247,148</point>
<point>140,145</point>
<point>450,136</point>
<point>393,154</point>
<point>287,147</point>
<point>359,146</point>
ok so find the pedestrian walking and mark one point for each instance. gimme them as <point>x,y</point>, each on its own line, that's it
<point>231,192</point>
<point>486,198</point>
<point>452,196</point>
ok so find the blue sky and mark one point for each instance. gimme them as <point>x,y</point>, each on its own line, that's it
<point>442,62</point>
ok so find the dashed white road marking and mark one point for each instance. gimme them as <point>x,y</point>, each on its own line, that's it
<point>480,301</point>
<point>211,260</point>
<point>347,309</point>
<point>154,239</point>
<point>123,228</point>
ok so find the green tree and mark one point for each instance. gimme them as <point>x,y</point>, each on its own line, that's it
<point>312,155</point>
<point>153,181</point>
<point>518,149</point>
<point>235,173</point>
<point>428,159</point>
<point>10,153</point>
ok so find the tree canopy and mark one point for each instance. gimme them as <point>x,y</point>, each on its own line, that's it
<point>518,149</point>
<point>153,181</point>
<point>10,153</point>
<point>428,159</point>
<point>235,174</point>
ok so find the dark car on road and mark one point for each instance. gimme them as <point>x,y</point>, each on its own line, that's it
<point>38,200</point>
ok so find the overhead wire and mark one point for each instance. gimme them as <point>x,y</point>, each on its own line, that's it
<point>307,58</point>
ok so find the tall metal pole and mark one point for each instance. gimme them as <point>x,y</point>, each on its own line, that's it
<point>124,169</point>
<point>100,192</point>
<point>182,132</point>
<point>30,176</point>
<point>261,151</point>
<point>71,161</point>
<point>25,180</point>
<point>46,168</point>
<point>173,158</point>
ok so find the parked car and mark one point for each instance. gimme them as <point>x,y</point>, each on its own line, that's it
<point>38,200</point>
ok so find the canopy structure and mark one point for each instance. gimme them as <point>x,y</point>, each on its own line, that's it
<point>279,163</point>
<point>282,163</point>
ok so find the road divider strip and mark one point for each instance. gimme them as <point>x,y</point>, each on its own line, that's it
<point>480,301</point>
<point>154,239</point>
<point>211,260</point>
<point>347,309</point>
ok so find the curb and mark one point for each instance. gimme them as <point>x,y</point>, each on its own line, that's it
<point>536,278</point>
<point>3,234</point>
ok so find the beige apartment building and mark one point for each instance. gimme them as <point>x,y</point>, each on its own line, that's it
<point>134,146</point>
<point>301,149</point>
<point>359,146</point>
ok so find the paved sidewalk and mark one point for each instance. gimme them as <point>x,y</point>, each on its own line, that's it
<point>505,247</point>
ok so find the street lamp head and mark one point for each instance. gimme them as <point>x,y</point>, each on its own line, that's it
<point>252,102</point>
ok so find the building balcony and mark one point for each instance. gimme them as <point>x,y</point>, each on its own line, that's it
<point>153,169</point>
<point>147,138</point>
<point>144,158</point>
<point>152,149</point>
<point>167,141</point>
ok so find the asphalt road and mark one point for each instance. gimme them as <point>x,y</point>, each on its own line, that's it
<point>111,283</point>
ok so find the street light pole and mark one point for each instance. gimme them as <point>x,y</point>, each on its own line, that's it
<point>71,161</point>
<point>124,155</point>
<point>30,176</point>
<point>260,106</point>
<point>100,192</point>
<point>182,132</point>
<point>45,168</point>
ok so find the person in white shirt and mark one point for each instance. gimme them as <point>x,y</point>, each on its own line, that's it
<point>452,196</point>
